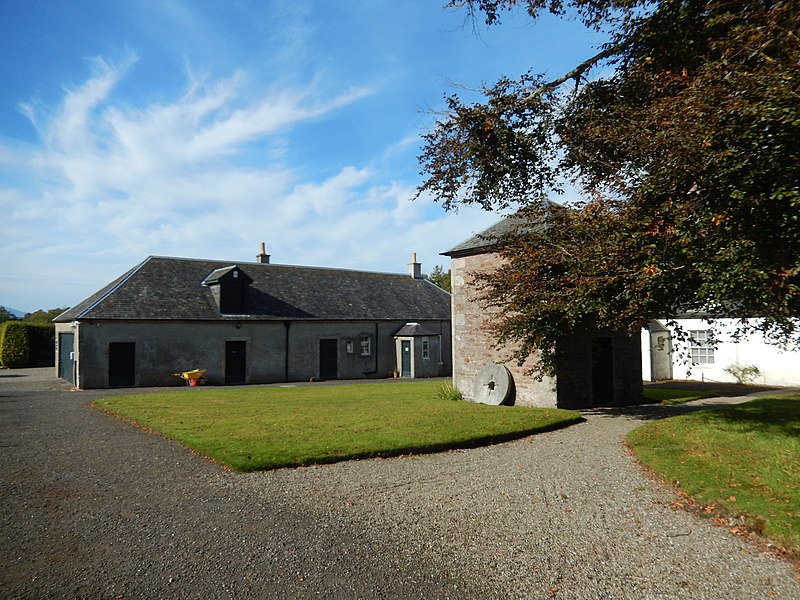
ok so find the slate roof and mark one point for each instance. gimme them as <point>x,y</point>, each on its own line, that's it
<point>164,288</point>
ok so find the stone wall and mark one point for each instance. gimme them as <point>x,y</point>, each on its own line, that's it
<point>473,345</point>
<point>576,384</point>
<point>173,346</point>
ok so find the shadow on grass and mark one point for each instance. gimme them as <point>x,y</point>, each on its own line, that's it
<point>778,416</point>
<point>781,412</point>
<point>473,443</point>
<point>653,412</point>
<point>727,390</point>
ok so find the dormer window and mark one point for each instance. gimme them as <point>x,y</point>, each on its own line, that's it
<point>230,287</point>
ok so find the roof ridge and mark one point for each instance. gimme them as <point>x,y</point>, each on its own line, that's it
<point>278,265</point>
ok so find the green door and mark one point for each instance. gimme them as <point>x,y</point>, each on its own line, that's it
<point>66,357</point>
<point>405,358</point>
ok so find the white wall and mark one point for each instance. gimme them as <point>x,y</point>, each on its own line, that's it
<point>777,367</point>
<point>646,370</point>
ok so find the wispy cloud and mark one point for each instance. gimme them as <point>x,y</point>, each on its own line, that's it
<point>112,183</point>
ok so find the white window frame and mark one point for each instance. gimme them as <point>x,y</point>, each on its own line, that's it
<point>366,345</point>
<point>426,349</point>
<point>701,350</point>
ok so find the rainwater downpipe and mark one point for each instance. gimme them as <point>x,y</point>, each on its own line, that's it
<point>287,325</point>
<point>365,373</point>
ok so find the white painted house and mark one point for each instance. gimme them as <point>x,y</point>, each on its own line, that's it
<point>664,356</point>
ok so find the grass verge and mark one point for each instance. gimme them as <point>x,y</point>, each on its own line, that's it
<point>251,429</point>
<point>662,396</point>
<point>740,461</point>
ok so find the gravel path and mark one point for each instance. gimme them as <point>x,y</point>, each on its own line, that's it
<point>93,508</point>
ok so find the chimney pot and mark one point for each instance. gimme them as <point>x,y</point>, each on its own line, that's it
<point>263,257</point>
<point>415,268</point>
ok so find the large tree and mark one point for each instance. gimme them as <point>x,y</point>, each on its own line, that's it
<point>440,277</point>
<point>687,157</point>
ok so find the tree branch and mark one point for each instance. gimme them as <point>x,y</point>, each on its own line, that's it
<point>575,73</point>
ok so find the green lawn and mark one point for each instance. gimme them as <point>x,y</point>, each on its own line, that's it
<point>252,429</point>
<point>743,460</point>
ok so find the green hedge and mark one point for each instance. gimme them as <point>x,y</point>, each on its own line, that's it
<point>27,345</point>
<point>15,348</point>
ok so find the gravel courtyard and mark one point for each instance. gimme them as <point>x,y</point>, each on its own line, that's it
<point>92,507</point>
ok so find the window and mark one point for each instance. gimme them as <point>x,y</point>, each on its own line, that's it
<point>426,353</point>
<point>366,346</point>
<point>700,347</point>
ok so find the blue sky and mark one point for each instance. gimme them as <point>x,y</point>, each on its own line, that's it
<point>200,128</point>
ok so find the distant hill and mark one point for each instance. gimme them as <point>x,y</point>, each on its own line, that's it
<point>17,313</point>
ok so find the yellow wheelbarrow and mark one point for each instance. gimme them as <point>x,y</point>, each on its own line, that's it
<point>193,378</point>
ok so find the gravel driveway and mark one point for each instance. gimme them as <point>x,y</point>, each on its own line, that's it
<point>94,508</point>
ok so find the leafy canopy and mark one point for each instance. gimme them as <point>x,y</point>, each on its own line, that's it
<point>6,315</point>
<point>686,156</point>
<point>43,316</point>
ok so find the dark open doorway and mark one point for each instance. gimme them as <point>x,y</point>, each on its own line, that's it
<point>602,371</point>
<point>328,359</point>
<point>235,362</point>
<point>121,364</point>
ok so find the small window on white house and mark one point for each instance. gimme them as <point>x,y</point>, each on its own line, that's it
<point>700,347</point>
<point>426,351</point>
<point>366,345</point>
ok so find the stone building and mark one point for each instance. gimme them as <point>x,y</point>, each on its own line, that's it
<point>253,323</point>
<point>597,368</point>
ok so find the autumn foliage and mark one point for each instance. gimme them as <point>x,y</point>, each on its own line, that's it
<point>686,157</point>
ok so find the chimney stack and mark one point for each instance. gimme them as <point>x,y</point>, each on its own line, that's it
<point>415,268</point>
<point>263,257</point>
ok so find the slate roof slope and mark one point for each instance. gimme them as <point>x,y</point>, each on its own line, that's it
<point>414,330</point>
<point>483,242</point>
<point>164,288</point>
